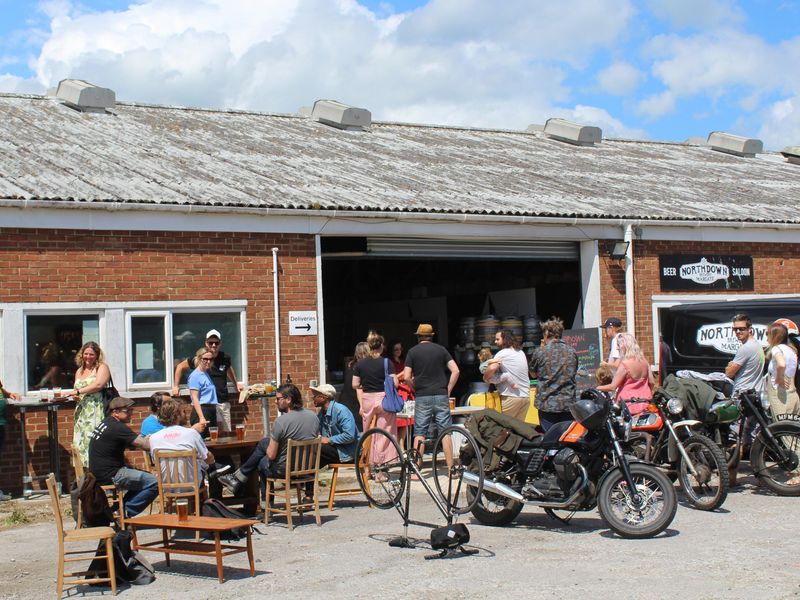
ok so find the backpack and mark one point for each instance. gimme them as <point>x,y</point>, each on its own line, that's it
<point>93,501</point>
<point>215,508</point>
<point>131,567</point>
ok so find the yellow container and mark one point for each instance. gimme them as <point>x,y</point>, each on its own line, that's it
<point>492,400</point>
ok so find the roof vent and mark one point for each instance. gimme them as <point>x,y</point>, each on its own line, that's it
<point>734,144</point>
<point>85,97</point>
<point>573,133</point>
<point>792,154</point>
<point>340,115</point>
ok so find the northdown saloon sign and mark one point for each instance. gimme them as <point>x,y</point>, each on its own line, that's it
<point>680,272</point>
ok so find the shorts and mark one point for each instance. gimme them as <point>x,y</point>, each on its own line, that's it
<point>428,408</point>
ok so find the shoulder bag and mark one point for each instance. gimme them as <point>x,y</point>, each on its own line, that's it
<point>108,393</point>
<point>392,402</point>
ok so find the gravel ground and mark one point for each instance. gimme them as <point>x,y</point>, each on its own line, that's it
<point>748,549</point>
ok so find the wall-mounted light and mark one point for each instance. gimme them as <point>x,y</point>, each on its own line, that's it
<point>619,250</point>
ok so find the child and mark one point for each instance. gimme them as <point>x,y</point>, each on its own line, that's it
<point>485,356</point>
<point>604,374</point>
<point>3,395</point>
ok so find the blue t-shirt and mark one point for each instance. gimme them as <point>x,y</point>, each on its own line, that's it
<point>151,425</point>
<point>201,382</point>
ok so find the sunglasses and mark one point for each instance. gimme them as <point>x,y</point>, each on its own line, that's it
<point>206,359</point>
<point>737,329</point>
<point>212,343</point>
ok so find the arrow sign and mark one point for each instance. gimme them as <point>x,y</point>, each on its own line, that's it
<point>302,322</point>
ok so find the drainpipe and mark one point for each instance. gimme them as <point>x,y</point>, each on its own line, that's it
<point>630,310</point>
<point>265,400</point>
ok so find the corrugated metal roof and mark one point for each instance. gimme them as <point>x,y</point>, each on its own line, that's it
<point>171,155</point>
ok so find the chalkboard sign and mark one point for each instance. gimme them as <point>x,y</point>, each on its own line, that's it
<point>586,343</point>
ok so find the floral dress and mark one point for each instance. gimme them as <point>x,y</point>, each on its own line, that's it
<point>88,414</point>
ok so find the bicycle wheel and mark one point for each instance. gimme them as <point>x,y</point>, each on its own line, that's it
<point>381,469</point>
<point>457,467</point>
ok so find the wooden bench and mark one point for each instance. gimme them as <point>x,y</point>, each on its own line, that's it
<point>213,525</point>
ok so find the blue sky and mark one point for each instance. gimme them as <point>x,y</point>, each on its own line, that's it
<point>657,69</point>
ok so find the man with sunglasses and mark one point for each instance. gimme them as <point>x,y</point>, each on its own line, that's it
<point>747,366</point>
<point>220,371</point>
<point>107,448</point>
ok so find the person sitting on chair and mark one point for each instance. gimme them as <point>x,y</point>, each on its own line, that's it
<point>336,426</point>
<point>269,457</point>
<point>175,435</point>
<point>107,446</point>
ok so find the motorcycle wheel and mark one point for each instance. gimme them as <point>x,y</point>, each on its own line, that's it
<point>780,476</point>
<point>729,449</point>
<point>708,487</point>
<point>451,481</point>
<point>493,509</point>
<point>381,481</point>
<point>617,508</point>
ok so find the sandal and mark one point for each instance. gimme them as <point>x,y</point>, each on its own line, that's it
<point>794,480</point>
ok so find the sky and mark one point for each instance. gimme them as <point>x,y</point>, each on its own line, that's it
<point>646,69</point>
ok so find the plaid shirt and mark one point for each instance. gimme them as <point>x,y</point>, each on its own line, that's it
<point>555,365</point>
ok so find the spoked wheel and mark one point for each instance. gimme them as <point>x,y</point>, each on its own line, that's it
<point>778,470</point>
<point>707,487</point>
<point>640,513</point>
<point>494,509</point>
<point>381,470</point>
<point>457,468</point>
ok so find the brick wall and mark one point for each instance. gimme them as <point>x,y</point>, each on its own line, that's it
<point>120,266</point>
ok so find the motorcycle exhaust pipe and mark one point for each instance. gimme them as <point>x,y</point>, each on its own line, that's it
<point>578,495</point>
<point>493,486</point>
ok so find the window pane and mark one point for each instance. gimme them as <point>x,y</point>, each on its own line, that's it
<point>52,343</point>
<point>148,357</point>
<point>189,334</point>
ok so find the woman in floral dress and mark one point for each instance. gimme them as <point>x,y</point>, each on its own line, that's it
<point>90,378</point>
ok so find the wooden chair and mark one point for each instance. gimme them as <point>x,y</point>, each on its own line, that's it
<point>148,466</point>
<point>88,534</point>
<point>178,475</point>
<point>115,496</point>
<point>302,467</point>
<point>335,467</point>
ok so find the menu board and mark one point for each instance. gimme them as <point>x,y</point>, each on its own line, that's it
<point>586,343</point>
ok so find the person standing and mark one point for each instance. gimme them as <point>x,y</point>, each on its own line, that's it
<point>781,391</point>
<point>107,446</point>
<point>611,327</point>
<point>3,396</point>
<point>349,396</point>
<point>434,373</point>
<point>203,392</point>
<point>368,380</point>
<point>555,364</point>
<point>91,377</point>
<point>509,372</point>
<point>396,356</point>
<point>633,380</point>
<point>220,371</point>
<point>748,364</point>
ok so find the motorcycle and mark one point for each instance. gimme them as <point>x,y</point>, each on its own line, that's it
<point>775,451</point>
<point>576,466</point>
<point>696,461</point>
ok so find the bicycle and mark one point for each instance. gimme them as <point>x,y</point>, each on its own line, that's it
<point>384,474</point>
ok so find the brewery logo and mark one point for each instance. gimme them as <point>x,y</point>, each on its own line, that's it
<point>720,336</point>
<point>704,272</point>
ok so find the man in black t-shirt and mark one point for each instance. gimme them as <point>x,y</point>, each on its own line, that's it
<point>107,448</point>
<point>435,374</point>
<point>221,370</point>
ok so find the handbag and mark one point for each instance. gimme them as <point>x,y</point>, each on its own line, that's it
<point>392,402</point>
<point>108,393</point>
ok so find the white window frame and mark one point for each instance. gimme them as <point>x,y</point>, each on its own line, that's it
<point>168,360</point>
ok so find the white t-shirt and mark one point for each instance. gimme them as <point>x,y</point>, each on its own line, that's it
<point>791,365</point>
<point>178,437</point>
<point>513,369</point>
<point>613,353</point>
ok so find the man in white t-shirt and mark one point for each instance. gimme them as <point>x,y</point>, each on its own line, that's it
<point>177,436</point>
<point>611,328</point>
<point>508,370</point>
<point>747,366</point>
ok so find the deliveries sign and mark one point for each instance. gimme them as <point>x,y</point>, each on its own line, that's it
<point>679,272</point>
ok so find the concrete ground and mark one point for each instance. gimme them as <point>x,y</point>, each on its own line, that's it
<point>747,549</point>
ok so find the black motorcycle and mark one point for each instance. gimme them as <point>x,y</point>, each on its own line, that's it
<point>576,466</point>
<point>775,451</point>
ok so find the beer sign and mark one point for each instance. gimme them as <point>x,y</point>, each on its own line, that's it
<point>690,272</point>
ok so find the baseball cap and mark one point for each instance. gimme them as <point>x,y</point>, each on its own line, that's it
<point>424,329</point>
<point>214,333</point>
<point>612,322</point>
<point>120,402</point>
<point>326,389</point>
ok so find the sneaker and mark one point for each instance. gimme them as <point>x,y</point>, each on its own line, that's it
<point>4,497</point>
<point>231,482</point>
<point>217,469</point>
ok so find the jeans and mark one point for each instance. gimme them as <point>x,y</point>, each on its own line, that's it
<point>428,408</point>
<point>141,488</point>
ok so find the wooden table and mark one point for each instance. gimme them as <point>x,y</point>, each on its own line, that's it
<point>214,525</point>
<point>228,446</point>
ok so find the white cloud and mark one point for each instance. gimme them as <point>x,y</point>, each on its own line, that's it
<point>612,128</point>
<point>619,78</point>
<point>19,85</point>
<point>700,14</point>
<point>781,124</point>
<point>657,105</point>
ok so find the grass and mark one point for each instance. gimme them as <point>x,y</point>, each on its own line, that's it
<point>17,517</point>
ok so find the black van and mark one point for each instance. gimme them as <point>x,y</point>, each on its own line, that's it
<point>700,336</point>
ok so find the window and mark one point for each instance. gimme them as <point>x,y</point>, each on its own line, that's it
<point>52,342</point>
<point>148,349</point>
<point>189,334</point>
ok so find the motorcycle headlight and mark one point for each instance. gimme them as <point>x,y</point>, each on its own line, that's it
<point>675,406</point>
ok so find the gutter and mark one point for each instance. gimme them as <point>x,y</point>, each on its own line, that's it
<point>396,216</point>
